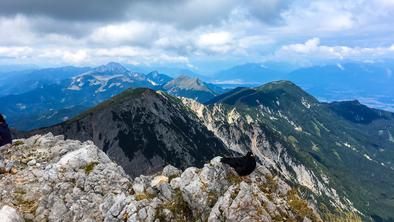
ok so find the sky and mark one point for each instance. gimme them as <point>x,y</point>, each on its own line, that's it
<point>199,35</point>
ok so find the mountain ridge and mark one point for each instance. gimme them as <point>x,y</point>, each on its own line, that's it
<point>142,130</point>
<point>321,137</point>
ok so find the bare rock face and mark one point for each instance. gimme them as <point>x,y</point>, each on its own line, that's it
<point>9,214</point>
<point>243,133</point>
<point>212,193</point>
<point>67,180</point>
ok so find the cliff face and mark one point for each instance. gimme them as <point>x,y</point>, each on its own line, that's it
<point>67,180</point>
<point>325,148</point>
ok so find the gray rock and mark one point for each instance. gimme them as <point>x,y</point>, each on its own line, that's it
<point>78,182</point>
<point>171,171</point>
<point>32,162</point>
<point>73,183</point>
<point>9,214</point>
<point>9,166</point>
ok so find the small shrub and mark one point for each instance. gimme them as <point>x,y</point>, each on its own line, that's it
<point>269,187</point>
<point>233,178</point>
<point>179,208</point>
<point>18,143</point>
<point>299,206</point>
<point>90,167</point>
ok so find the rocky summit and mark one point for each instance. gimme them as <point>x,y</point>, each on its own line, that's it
<point>68,180</point>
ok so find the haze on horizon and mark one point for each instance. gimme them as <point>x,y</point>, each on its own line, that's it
<point>200,35</point>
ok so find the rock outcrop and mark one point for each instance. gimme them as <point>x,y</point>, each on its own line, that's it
<point>58,180</point>
<point>67,180</point>
<point>212,193</point>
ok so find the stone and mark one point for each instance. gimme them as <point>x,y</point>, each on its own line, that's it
<point>32,162</point>
<point>73,181</point>
<point>9,166</point>
<point>158,180</point>
<point>78,182</point>
<point>171,171</point>
<point>9,214</point>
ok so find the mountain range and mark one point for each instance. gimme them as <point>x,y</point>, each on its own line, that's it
<point>339,154</point>
<point>143,130</point>
<point>368,82</point>
<point>62,97</point>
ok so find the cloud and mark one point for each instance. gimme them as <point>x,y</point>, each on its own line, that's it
<point>130,33</point>
<point>156,31</point>
<point>267,11</point>
<point>74,10</point>
<point>312,51</point>
<point>215,41</point>
<point>89,56</point>
<point>307,47</point>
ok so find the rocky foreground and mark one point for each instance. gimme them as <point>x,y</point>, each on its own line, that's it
<point>65,180</point>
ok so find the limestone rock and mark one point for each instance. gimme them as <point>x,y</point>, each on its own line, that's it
<point>63,180</point>
<point>74,181</point>
<point>9,214</point>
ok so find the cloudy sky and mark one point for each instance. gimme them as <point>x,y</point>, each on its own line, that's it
<point>194,33</point>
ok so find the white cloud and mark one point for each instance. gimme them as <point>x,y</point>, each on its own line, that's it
<point>311,50</point>
<point>193,30</point>
<point>307,47</point>
<point>214,39</point>
<point>125,33</point>
<point>16,52</point>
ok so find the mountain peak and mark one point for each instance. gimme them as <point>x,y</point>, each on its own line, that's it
<point>355,112</point>
<point>270,93</point>
<point>189,83</point>
<point>287,87</point>
<point>153,73</point>
<point>112,68</point>
<point>118,99</point>
<point>279,83</point>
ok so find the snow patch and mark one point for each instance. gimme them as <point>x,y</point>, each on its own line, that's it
<point>74,87</point>
<point>368,158</point>
<point>152,82</point>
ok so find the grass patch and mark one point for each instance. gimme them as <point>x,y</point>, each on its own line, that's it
<point>90,167</point>
<point>178,207</point>
<point>233,178</point>
<point>212,198</point>
<point>300,207</point>
<point>171,177</point>
<point>269,187</point>
<point>347,217</point>
<point>235,193</point>
<point>18,143</point>
<point>144,196</point>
